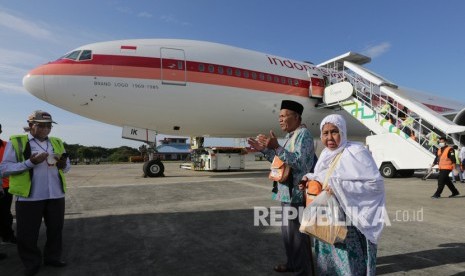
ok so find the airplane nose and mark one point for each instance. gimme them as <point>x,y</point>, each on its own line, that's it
<point>34,84</point>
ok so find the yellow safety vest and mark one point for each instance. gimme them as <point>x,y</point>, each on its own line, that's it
<point>20,184</point>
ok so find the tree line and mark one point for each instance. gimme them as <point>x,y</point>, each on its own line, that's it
<point>78,153</point>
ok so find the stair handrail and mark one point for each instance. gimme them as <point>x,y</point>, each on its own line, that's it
<point>367,90</point>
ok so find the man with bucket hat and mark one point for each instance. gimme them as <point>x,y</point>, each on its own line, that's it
<point>36,163</point>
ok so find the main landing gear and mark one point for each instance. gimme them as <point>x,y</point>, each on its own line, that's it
<point>153,167</point>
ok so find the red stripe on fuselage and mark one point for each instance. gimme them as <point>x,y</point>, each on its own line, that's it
<point>150,68</point>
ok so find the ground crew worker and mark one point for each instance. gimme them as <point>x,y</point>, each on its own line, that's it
<point>3,194</point>
<point>36,164</point>
<point>6,218</point>
<point>2,255</point>
<point>446,159</point>
<point>458,168</point>
<point>462,158</point>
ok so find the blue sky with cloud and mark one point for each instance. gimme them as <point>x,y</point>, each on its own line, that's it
<point>417,43</point>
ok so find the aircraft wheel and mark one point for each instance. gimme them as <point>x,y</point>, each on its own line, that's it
<point>154,168</point>
<point>388,170</point>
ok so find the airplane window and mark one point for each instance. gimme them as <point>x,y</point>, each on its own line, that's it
<point>269,78</point>
<point>220,70</point>
<point>254,75</point>
<point>262,76</point>
<point>86,55</point>
<point>246,74</point>
<point>229,71</point>
<point>211,68</point>
<point>296,82</point>
<point>73,55</point>
<point>238,72</point>
<point>276,79</point>
<point>201,67</point>
<point>180,65</point>
<point>289,81</point>
<point>283,80</point>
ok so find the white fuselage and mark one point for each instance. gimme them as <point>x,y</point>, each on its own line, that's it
<point>181,87</point>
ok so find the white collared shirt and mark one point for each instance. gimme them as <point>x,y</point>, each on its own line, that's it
<point>46,182</point>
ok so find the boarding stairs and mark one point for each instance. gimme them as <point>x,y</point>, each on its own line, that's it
<point>387,111</point>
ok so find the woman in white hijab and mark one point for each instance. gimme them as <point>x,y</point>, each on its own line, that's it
<point>359,188</point>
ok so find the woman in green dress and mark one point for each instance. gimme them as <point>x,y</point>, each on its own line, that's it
<point>359,188</point>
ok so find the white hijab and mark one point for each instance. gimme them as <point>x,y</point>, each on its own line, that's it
<point>327,155</point>
<point>356,181</point>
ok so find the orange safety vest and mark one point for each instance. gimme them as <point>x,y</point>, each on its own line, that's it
<point>444,162</point>
<point>5,182</point>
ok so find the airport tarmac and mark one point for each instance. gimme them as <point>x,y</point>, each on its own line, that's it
<point>202,223</point>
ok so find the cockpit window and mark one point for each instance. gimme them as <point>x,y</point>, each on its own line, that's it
<point>86,55</point>
<point>73,55</point>
<point>80,55</point>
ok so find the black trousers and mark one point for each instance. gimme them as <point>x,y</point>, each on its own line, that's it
<point>6,218</point>
<point>297,244</point>
<point>443,180</point>
<point>29,216</point>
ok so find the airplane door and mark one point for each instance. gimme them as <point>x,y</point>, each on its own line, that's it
<point>173,66</point>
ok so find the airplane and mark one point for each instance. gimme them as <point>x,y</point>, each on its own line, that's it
<point>193,88</point>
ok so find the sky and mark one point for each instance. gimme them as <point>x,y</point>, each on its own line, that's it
<point>419,44</point>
